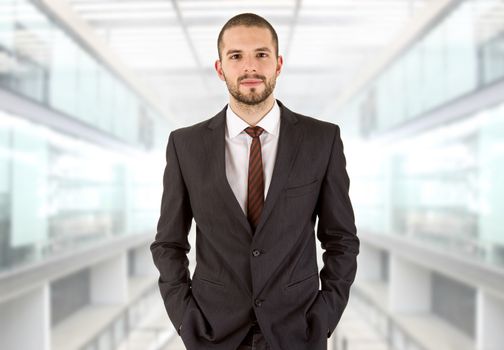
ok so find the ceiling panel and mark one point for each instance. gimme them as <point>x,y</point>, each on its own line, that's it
<point>172,44</point>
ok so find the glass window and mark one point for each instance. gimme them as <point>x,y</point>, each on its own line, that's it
<point>63,75</point>
<point>28,216</point>
<point>489,27</point>
<point>461,65</point>
<point>433,68</point>
<point>413,82</point>
<point>40,60</point>
<point>87,87</point>
<point>443,188</point>
<point>7,10</point>
<point>106,88</point>
<point>58,193</point>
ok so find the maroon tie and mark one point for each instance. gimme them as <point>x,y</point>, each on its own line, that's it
<point>255,198</point>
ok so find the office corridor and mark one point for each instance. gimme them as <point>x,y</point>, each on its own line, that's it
<point>91,89</point>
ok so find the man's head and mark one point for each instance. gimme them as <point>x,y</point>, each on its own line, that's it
<point>248,61</point>
<point>247,20</point>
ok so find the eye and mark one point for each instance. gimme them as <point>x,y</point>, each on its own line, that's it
<point>265,54</point>
<point>231,57</point>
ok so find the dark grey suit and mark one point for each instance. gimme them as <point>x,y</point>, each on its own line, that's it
<point>273,272</point>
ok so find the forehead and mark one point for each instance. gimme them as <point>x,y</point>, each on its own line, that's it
<point>240,37</point>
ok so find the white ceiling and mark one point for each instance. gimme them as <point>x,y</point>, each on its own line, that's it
<point>171,44</point>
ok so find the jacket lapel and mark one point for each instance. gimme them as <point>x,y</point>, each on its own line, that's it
<point>288,144</point>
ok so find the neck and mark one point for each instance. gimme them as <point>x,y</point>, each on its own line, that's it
<point>252,114</point>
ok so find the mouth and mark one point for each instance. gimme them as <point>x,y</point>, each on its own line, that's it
<point>251,82</point>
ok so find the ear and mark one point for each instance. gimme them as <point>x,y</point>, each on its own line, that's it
<point>279,65</point>
<point>218,69</point>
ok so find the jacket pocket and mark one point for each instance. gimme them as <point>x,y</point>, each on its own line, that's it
<point>210,282</point>
<point>299,190</point>
<point>300,282</point>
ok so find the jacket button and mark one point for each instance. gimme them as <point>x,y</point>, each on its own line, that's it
<point>255,252</point>
<point>258,302</point>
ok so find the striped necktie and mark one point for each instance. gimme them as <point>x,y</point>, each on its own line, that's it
<point>255,197</point>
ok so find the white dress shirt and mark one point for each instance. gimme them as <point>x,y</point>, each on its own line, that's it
<point>238,148</point>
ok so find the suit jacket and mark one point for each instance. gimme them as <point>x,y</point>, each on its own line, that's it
<point>273,271</point>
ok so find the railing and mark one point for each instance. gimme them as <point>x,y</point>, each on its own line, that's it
<point>129,320</point>
<point>395,336</point>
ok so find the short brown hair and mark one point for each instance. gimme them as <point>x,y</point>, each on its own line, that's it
<point>248,20</point>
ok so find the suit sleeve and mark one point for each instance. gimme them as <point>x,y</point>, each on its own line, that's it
<point>170,247</point>
<point>337,233</point>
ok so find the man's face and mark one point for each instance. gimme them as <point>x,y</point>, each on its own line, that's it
<point>249,66</point>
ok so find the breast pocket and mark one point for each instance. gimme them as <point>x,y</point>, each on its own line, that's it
<point>299,190</point>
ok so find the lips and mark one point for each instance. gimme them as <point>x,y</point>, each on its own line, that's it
<point>251,82</point>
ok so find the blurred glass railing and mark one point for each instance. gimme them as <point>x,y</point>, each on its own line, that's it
<point>396,336</point>
<point>131,319</point>
<point>59,193</point>
<point>442,187</point>
<point>42,61</point>
<point>460,54</point>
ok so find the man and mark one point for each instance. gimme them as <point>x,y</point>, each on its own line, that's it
<point>255,177</point>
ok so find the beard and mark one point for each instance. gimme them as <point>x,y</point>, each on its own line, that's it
<point>251,96</point>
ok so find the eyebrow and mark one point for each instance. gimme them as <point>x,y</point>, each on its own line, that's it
<point>238,51</point>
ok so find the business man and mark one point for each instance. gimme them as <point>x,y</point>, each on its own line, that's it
<point>255,177</point>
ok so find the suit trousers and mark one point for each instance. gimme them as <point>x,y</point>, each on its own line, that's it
<point>254,340</point>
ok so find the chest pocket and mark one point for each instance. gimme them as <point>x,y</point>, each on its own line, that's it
<point>299,190</point>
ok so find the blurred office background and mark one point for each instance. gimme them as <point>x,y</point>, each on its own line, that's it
<point>90,89</point>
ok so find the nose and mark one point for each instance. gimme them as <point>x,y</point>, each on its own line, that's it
<point>249,64</point>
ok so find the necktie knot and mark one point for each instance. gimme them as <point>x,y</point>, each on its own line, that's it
<point>254,131</point>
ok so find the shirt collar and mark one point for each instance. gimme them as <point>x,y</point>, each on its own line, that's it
<point>270,122</point>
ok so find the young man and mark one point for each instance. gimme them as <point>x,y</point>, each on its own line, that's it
<point>255,177</point>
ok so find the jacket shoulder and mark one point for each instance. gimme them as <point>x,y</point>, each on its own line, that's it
<point>184,136</point>
<point>316,126</point>
<point>191,129</point>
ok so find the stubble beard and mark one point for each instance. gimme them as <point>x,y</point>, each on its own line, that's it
<point>252,97</point>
